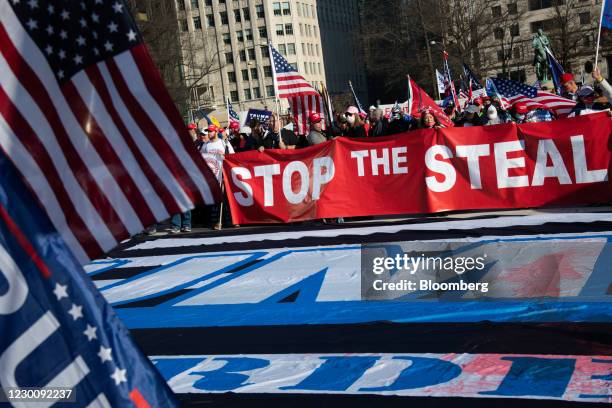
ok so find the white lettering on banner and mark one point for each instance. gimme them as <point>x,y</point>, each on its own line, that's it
<point>397,159</point>
<point>267,172</point>
<point>379,161</point>
<point>300,168</point>
<point>546,149</point>
<point>503,164</point>
<point>17,291</point>
<point>324,171</point>
<point>359,155</point>
<point>245,198</point>
<point>583,174</point>
<point>380,157</point>
<point>473,154</point>
<point>441,167</point>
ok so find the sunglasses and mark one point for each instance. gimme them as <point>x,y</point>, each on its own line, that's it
<point>348,114</point>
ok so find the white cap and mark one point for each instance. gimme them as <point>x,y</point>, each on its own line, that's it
<point>246,130</point>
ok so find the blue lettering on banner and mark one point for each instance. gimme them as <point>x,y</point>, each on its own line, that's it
<point>423,372</point>
<point>542,377</point>
<point>229,376</point>
<point>336,374</point>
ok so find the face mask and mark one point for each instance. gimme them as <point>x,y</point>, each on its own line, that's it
<point>350,119</point>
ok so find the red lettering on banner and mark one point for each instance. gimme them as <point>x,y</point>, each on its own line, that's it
<point>565,162</point>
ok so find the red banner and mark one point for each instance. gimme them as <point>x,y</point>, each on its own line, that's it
<point>564,162</point>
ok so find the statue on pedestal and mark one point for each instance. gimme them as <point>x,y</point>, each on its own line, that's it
<point>540,44</point>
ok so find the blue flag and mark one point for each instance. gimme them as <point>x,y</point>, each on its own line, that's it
<point>556,71</point>
<point>471,76</point>
<point>606,21</point>
<point>57,330</point>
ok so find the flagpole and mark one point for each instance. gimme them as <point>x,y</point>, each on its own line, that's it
<point>410,97</point>
<point>603,7</point>
<point>276,99</point>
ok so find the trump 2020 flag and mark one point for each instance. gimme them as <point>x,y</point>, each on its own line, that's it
<point>87,121</point>
<point>57,330</point>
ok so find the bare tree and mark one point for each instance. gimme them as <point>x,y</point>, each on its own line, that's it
<point>571,23</point>
<point>185,58</point>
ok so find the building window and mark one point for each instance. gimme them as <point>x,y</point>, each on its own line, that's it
<point>181,4</point>
<point>245,74</point>
<point>542,4</point>
<point>286,9</point>
<point>247,94</point>
<point>270,90</point>
<point>303,49</point>
<point>291,49</point>
<point>237,15</point>
<point>184,26</point>
<point>223,16</point>
<point>226,38</point>
<point>294,66</point>
<point>279,29</point>
<point>231,76</point>
<point>268,71</point>
<point>234,96</point>
<point>585,18</point>
<point>256,93</point>
<point>498,33</point>
<point>263,33</point>
<point>319,64</point>
<point>208,2</point>
<point>514,30</point>
<point>517,52</point>
<point>317,48</point>
<point>259,9</point>
<point>251,52</point>
<point>301,28</point>
<point>276,7</point>
<point>306,67</point>
<point>289,29</point>
<point>299,9</point>
<point>518,75</point>
<point>242,55</point>
<point>239,36</point>
<point>500,56</point>
<point>210,20</point>
<point>254,73</point>
<point>264,51</point>
<point>229,58</point>
<point>496,11</point>
<point>546,25</point>
<point>512,8</point>
<point>246,14</point>
<point>249,34</point>
<point>194,4</point>
<point>586,41</point>
<point>282,49</point>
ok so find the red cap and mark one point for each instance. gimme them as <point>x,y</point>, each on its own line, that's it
<point>521,108</point>
<point>478,101</point>
<point>192,126</point>
<point>314,117</point>
<point>212,127</point>
<point>486,98</point>
<point>566,78</point>
<point>234,126</point>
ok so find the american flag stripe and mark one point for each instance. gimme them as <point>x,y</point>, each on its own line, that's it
<point>165,205</point>
<point>98,179</point>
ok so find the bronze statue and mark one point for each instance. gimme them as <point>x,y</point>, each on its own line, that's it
<point>540,44</point>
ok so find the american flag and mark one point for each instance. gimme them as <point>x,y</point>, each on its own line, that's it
<point>478,91</point>
<point>303,98</point>
<point>513,92</point>
<point>86,119</point>
<point>232,114</point>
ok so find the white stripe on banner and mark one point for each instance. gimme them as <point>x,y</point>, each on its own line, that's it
<point>127,66</point>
